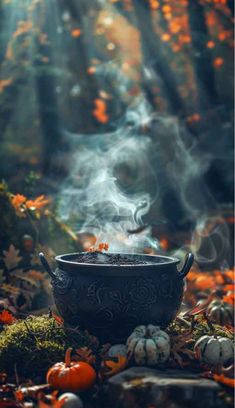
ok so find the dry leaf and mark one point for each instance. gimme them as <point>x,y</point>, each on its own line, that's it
<point>179,350</point>
<point>11,257</point>
<point>85,354</point>
<point>100,111</point>
<point>10,289</point>
<point>6,317</point>
<point>115,366</point>
<point>25,276</point>
<point>57,318</point>
<point>37,204</point>
<point>49,401</point>
<point>103,246</point>
<point>230,382</point>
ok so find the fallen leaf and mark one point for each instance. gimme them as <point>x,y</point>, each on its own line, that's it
<point>6,317</point>
<point>103,246</point>
<point>115,366</point>
<point>11,257</point>
<point>38,203</point>
<point>57,318</point>
<point>229,382</point>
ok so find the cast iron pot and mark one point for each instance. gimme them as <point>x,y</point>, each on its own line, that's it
<point>110,300</point>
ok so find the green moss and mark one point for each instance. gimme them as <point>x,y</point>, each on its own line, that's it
<point>199,328</point>
<point>34,344</point>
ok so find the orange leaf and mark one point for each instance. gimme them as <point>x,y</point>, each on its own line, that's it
<point>19,395</point>
<point>6,317</point>
<point>229,298</point>
<point>103,246</point>
<point>38,203</point>
<point>58,319</point>
<point>100,111</point>
<point>115,366</point>
<point>17,200</point>
<point>228,288</point>
<point>230,382</point>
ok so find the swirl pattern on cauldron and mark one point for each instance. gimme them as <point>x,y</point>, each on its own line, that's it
<point>143,292</point>
<point>113,309</point>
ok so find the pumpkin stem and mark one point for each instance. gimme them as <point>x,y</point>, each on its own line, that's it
<point>68,357</point>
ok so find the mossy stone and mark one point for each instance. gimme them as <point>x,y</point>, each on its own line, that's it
<point>34,344</point>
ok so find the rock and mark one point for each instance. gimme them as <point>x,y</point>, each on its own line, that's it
<point>70,400</point>
<point>141,387</point>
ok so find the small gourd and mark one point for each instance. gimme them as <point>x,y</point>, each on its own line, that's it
<point>70,400</point>
<point>213,350</point>
<point>221,312</point>
<point>71,375</point>
<point>148,345</point>
<point>118,350</point>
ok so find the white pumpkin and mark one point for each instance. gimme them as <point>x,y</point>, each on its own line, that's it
<point>149,345</point>
<point>213,350</point>
<point>118,350</point>
<point>221,312</point>
<point>70,400</point>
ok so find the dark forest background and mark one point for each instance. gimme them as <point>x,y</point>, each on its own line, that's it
<point>76,66</point>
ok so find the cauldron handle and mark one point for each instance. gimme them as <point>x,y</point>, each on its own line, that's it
<point>46,265</point>
<point>187,265</point>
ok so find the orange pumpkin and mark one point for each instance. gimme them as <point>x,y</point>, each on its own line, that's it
<point>71,376</point>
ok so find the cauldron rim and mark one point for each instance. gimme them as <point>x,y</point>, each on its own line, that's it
<point>149,258</point>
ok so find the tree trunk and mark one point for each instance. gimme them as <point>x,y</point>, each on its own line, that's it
<point>207,94</point>
<point>85,103</point>
<point>153,55</point>
<point>53,144</point>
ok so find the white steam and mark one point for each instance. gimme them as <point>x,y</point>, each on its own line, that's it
<point>116,178</point>
<point>94,191</point>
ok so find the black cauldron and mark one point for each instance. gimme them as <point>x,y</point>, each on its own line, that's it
<point>111,300</point>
